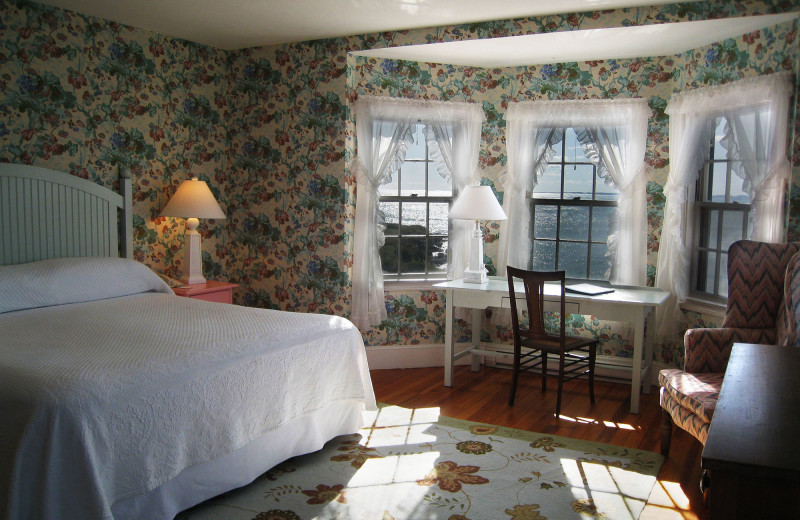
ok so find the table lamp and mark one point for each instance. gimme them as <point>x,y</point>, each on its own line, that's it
<point>193,201</point>
<point>476,202</point>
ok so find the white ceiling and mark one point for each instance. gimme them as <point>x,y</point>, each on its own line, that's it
<point>236,24</point>
<point>586,45</point>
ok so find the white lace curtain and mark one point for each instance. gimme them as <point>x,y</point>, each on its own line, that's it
<point>614,135</point>
<point>756,110</point>
<point>384,129</point>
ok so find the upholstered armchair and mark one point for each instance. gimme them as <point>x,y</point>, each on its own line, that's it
<point>759,275</point>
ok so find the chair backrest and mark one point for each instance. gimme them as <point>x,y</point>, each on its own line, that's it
<point>534,281</point>
<point>756,272</point>
<point>789,313</point>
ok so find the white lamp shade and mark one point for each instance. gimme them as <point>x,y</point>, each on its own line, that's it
<point>477,203</point>
<point>193,200</point>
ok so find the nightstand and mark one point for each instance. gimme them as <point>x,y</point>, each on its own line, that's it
<point>210,291</point>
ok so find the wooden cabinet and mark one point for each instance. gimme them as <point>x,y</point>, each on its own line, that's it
<point>210,291</point>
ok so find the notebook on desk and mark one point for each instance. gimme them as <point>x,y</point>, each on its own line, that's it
<point>588,289</point>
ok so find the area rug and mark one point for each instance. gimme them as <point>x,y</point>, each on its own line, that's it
<point>415,464</point>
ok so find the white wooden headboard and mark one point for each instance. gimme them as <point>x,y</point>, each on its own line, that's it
<point>50,214</point>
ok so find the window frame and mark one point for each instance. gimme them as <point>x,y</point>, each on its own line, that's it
<point>430,169</point>
<point>704,209</point>
<point>561,202</point>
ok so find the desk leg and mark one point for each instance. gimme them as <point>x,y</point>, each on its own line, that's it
<point>649,316</point>
<point>476,338</point>
<point>638,347</point>
<point>449,347</point>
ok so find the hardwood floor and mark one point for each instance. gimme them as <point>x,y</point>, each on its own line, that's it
<point>483,397</point>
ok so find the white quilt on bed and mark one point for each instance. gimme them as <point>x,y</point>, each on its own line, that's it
<point>103,400</point>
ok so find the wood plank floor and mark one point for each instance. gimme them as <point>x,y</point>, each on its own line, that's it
<point>483,397</point>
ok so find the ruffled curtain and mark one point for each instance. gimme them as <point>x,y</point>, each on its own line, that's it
<point>614,134</point>
<point>756,110</point>
<point>384,128</point>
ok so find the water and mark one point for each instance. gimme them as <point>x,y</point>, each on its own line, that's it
<point>574,252</point>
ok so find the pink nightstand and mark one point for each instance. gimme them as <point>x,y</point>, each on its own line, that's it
<point>210,291</point>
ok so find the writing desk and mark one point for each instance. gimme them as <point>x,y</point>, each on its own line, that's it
<point>626,304</point>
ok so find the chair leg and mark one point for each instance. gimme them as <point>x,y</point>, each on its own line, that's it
<point>560,384</point>
<point>666,432</point>
<point>544,371</point>
<point>514,377</point>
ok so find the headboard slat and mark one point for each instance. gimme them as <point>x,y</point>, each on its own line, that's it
<point>49,214</point>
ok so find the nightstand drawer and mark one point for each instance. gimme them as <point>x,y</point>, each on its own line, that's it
<point>210,291</point>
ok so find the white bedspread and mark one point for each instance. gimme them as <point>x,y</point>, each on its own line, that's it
<point>104,400</point>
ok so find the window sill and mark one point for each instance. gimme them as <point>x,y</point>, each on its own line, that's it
<point>710,308</point>
<point>410,285</point>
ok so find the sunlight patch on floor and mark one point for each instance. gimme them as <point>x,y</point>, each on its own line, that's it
<point>603,422</point>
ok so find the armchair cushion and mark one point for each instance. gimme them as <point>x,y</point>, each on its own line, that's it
<point>789,313</point>
<point>697,393</point>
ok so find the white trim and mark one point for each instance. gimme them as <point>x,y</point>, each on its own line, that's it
<point>410,356</point>
<point>705,307</point>
<point>385,357</point>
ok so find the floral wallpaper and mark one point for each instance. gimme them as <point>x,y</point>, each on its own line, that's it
<point>271,130</point>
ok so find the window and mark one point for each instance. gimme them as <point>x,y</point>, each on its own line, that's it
<point>572,213</point>
<point>722,216</point>
<point>415,205</point>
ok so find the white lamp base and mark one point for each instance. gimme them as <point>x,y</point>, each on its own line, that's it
<point>193,253</point>
<point>475,271</point>
<point>475,276</point>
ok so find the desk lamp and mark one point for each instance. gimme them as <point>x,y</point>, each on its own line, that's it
<point>476,202</point>
<point>193,201</point>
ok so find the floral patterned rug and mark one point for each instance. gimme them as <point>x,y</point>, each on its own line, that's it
<point>415,464</point>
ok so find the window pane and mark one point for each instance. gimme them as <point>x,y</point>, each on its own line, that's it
<point>578,180</point>
<point>414,218</point>
<point>574,149</point>
<point>549,183</point>
<point>737,190</point>
<point>599,263</point>
<point>438,218</point>
<point>574,223</point>
<point>544,255</point>
<point>437,186</point>
<point>412,255</point>
<point>723,275</point>
<point>388,255</point>
<point>711,271</point>
<point>732,228</point>
<point>720,152</point>
<point>391,214</point>
<point>601,222</point>
<point>709,228</point>
<point>412,178</point>
<point>572,259</point>
<point>417,149</point>
<point>390,189</point>
<point>605,192</point>
<point>718,175</point>
<point>437,255</point>
<point>544,223</point>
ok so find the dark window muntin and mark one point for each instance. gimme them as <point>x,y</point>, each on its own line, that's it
<point>561,202</point>
<point>401,199</point>
<point>705,206</point>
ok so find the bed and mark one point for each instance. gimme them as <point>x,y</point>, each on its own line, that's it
<point>121,400</point>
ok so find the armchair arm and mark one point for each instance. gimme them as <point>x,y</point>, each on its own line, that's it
<point>708,350</point>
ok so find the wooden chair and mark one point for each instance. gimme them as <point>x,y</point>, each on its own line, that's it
<point>576,355</point>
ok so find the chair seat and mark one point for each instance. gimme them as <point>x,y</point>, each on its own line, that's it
<point>695,392</point>
<point>551,343</point>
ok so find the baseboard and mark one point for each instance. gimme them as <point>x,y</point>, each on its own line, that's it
<point>409,356</point>
<point>432,355</point>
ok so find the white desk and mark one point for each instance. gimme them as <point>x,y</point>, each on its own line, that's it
<point>627,304</point>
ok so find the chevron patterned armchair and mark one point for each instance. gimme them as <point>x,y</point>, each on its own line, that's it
<point>763,305</point>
